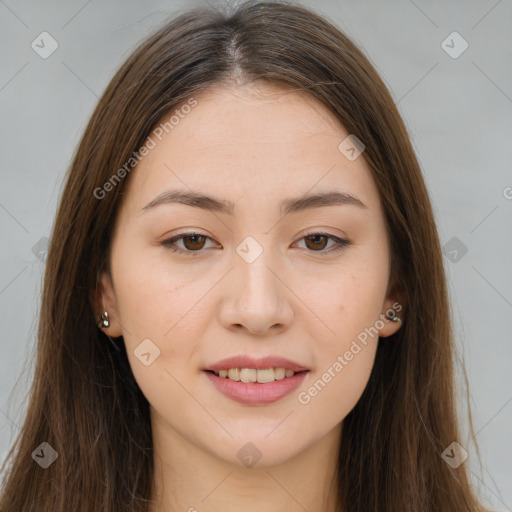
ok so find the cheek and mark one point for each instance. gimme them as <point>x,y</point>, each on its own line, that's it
<point>335,390</point>
<point>153,298</point>
<point>347,304</point>
<point>346,338</point>
<point>345,351</point>
<point>162,317</point>
<point>163,322</point>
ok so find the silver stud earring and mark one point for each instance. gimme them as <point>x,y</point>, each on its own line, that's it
<point>394,318</point>
<point>104,321</point>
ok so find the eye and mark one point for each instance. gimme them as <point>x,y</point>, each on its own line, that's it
<point>318,242</point>
<point>194,243</point>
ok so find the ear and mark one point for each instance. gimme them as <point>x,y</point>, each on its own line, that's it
<point>394,304</point>
<point>104,299</point>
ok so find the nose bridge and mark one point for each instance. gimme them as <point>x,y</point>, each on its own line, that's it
<point>257,286</point>
<point>257,298</point>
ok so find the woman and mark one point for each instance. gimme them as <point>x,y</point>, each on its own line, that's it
<point>244,305</point>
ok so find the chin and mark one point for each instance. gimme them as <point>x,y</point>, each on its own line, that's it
<point>257,452</point>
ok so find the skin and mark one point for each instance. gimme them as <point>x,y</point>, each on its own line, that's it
<point>254,145</point>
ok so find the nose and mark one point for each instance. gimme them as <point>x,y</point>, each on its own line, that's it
<point>256,298</point>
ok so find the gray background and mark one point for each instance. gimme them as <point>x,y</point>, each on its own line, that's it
<point>458,112</point>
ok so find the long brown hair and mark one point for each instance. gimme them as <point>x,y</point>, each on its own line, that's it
<point>84,401</point>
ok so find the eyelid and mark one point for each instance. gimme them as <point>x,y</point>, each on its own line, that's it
<point>340,243</point>
<point>169,243</point>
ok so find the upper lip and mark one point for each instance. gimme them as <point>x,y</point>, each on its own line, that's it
<point>242,361</point>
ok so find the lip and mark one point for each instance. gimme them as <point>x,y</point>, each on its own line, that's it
<point>255,393</point>
<point>242,361</point>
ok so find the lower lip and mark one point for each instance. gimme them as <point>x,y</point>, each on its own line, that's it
<point>255,393</point>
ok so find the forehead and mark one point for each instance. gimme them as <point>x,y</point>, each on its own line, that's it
<point>259,141</point>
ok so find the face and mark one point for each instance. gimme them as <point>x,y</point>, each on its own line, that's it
<point>252,275</point>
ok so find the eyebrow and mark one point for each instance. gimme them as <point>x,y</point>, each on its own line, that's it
<point>292,205</point>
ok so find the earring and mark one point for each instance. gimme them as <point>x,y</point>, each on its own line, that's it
<point>104,321</point>
<point>394,318</point>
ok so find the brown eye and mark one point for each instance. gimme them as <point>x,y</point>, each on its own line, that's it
<point>195,242</point>
<point>318,242</point>
<point>192,243</point>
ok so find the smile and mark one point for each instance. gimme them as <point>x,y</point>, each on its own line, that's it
<point>254,375</point>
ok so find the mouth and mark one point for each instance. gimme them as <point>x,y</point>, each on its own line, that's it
<point>262,376</point>
<point>255,381</point>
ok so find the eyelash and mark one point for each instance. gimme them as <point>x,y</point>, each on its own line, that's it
<point>170,243</point>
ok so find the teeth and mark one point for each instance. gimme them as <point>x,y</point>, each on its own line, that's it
<point>233,374</point>
<point>279,373</point>
<point>248,375</point>
<point>265,376</point>
<point>253,375</point>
